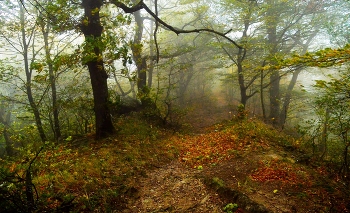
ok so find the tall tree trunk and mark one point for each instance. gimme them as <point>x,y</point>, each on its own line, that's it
<point>242,87</point>
<point>275,76</point>
<point>28,72</point>
<point>52,79</point>
<point>262,99</point>
<point>184,81</point>
<point>244,97</point>
<point>275,98</point>
<point>141,62</point>
<point>92,30</point>
<point>288,96</point>
<point>151,63</point>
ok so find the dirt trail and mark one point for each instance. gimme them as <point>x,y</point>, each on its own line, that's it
<point>285,187</point>
<point>173,188</point>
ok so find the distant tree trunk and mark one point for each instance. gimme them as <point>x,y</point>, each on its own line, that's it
<point>5,119</point>
<point>184,81</point>
<point>275,98</point>
<point>322,147</point>
<point>262,100</point>
<point>9,144</point>
<point>92,30</point>
<point>28,72</point>
<point>52,79</point>
<point>288,96</point>
<point>293,81</point>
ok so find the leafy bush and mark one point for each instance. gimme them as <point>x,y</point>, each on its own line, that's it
<point>231,207</point>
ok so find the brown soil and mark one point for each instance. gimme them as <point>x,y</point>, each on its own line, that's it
<point>173,188</point>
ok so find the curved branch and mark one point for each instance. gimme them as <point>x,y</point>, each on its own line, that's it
<point>179,31</point>
<point>142,5</point>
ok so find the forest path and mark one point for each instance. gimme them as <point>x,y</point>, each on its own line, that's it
<point>174,188</point>
<point>247,164</point>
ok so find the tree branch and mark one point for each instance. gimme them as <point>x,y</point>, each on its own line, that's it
<point>142,5</point>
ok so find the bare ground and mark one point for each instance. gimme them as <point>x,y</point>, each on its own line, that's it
<point>174,188</point>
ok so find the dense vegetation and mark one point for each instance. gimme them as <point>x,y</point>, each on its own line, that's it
<point>96,94</point>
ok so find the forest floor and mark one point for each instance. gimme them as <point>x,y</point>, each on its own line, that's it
<point>246,163</point>
<point>208,167</point>
<point>267,180</point>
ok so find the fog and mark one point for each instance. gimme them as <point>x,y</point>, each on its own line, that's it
<point>188,76</point>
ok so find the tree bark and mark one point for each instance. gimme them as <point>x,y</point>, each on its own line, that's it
<point>241,82</point>
<point>141,62</point>
<point>275,98</point>
<point>274,90</point>
<point>92,30</point>
<point>28,72</point>
<point>52,79</point>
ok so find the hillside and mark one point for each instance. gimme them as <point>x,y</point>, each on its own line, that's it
<point>149,169</point>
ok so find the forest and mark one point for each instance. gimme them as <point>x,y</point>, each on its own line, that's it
<point>175,106</point>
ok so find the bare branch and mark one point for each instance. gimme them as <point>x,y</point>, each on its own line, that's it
<point>142,5</point>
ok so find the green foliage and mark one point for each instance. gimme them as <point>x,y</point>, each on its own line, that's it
<point>241,112</point>
<point>322,58</point>
<point>61,15</point>
<point>231,207</point>
<point>184,2</point>
<point>330,130</point>
<point>218,183</point>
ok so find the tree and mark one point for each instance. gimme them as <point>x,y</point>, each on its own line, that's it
<point>287,25</point>
<point>25,46</point>
<point>245,17</point>
<point>45,30</point>
<point>334,101</point>
<point>93,58</point>
<point>92,30</point>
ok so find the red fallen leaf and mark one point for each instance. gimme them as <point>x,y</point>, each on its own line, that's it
<point>239,210</point>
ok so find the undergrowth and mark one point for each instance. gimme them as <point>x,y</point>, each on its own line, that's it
<point>83,175</point>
